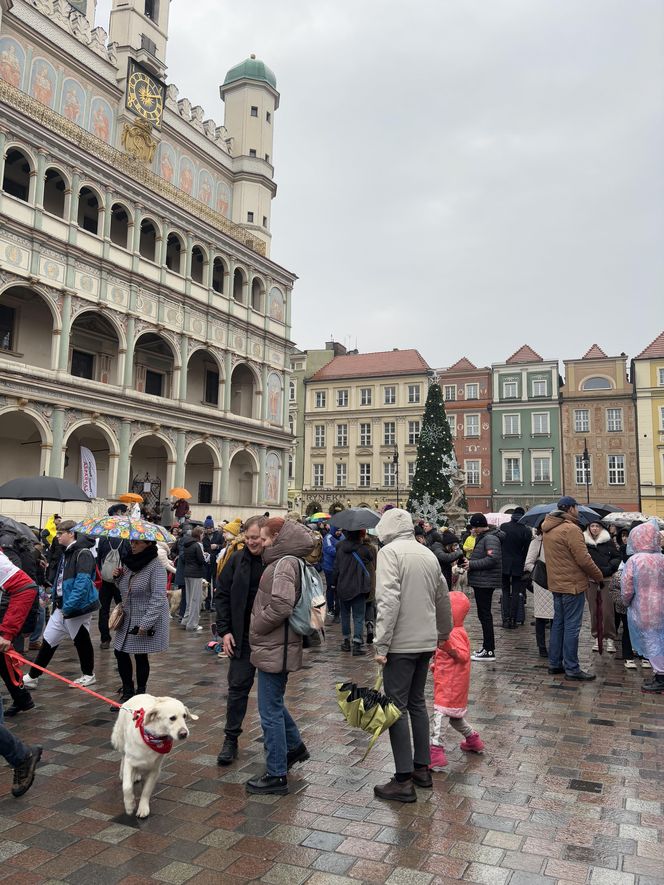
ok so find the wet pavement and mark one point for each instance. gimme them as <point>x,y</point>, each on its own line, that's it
<point>569,789</point>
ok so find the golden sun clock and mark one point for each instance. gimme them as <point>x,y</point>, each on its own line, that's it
<point>145,94</point>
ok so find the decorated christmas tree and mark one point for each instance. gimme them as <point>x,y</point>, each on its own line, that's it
<point>435,463</point>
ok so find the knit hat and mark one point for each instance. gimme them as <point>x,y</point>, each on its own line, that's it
<point>209,523</point>
<point>234,527</point>
<point>117,509</point>
<point>478,521</point>
<point>419,531</point>
<point>449,538</point>
<point>517,513</point>
<point>568,501</point>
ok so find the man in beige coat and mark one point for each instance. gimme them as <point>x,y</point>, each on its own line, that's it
<point>413,615</point>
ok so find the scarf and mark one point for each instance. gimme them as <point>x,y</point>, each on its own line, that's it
<point>137,561</point>
<point>161,745</point>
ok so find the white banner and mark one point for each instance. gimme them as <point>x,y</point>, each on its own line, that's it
<point>88,473</point>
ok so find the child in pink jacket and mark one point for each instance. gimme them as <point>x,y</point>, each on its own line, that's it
<point>451,681</point>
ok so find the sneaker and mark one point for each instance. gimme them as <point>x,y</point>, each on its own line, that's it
<point>645,665</point>
<point>198,629</point>
<point>472,744</point>
<point>483,655</point>
<point>24,773</point>
<point>654,685</point>
<point>31,683</point>
<point>267,784</point>
<point>629,664</point>
<point>84,680</point>
<point>595,645</point>
<point>438,758</point>
<point>610,646</point>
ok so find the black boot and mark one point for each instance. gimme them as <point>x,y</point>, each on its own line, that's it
<point>228,752</point>
<point>345,645</point>
<point>297,755</point>
<point>267,784</point>
<point>127,694</point>
<point>21,706</point>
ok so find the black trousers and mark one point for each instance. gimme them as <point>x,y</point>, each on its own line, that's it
<point>126,671</point>
<point>404,679</point>
<point>109,593</point>
<point>20,696</point>
<point>540,631</point>
<point>241,673</point>
<point>627,651</point>
<point>84,649</point>
<point>483,597</point>
<point>513,587</point>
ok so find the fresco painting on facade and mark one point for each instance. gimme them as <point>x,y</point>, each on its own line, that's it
<point>186,176</point>
<point>72,102</point>
<point>12,61</point>
<point>42,81</point>
<point>166,161</point>
<point>274,399</point>
<point>272,478</point>
<point>223,198</point>
<point>101,119</point>
<point>276,306</point>
<point>205,187</point>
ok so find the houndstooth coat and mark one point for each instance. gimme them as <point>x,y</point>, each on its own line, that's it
<point>145,606</point>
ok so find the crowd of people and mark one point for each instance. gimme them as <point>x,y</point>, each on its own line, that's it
<point>402,590</point>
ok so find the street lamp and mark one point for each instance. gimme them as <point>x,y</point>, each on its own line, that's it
<point>586,469</point>
<point>395,461</point>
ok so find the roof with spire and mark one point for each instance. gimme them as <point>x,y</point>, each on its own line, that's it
<point>525,354</point>
<point>595,353</point>
<point>375,365</point>
<point>654,350</point>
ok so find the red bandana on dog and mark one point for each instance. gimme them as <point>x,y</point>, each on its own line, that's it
<point>158,744</point>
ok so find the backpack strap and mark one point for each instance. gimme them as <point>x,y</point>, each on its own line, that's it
<point>357,556</point>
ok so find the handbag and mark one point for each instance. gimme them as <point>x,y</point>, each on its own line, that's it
<point>538,574</point>
<point>614,592</point>
<point>117,616</point>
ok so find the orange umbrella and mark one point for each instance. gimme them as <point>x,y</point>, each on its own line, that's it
<point>130,498</point>
<point>180,493</point>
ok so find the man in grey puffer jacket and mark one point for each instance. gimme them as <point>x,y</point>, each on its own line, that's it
<point>413,615</point>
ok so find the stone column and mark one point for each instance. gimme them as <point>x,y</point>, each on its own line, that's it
<point>228,371</point>
<point>225,470</point>
<point>284,478</point>
<point>63,359</point>
<point>57,455</point>
<point>264,400</point>
<point>122,483</point>
<point>180,463</point>
<point>129,355</point>
<point>262,459</point>
<point>286,399</point>
<point>73,201</point>
<point>41,179</point>
<point>217,480</point>
<point>184,350</point>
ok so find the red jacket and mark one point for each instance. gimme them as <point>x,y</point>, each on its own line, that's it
<point>451,667</point>
<point>21,591</point>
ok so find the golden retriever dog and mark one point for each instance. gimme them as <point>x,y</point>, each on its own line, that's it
<point>144,744</point>
<point>174,598</point>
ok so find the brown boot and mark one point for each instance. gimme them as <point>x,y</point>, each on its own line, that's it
<point>396,791</point>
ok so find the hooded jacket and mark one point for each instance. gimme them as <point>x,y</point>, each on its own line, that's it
<point>330,543</point>
<point>275,646</point>
<point>515,546</point>
<point>642,590</point>
<point>568,563</point>
<point>603,552</point>
<point>349,577</point>
<point>237,586</point>
<point>412,601</point>
<point>485,564</point>
<point>451,666</point>
<point>79,594</point>
<point>195,565</point>
<point>17,597</point>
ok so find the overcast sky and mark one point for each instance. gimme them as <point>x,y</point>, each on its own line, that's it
<point>459,176</point>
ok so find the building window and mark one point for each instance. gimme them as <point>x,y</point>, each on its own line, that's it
<point>365,434</point>
<point>211,391</point>
<point>472,425</point>
<point>16,181</point>
<point>254,111</point>
<point>540,388</point>
<point>389,474</point>
<point>321,399</point>
<point>291,424</point>
<point>7,325</point>
<point>472,469</point>
<point>154,383</point>
<point>472,391</point>
<point>581,420</point>
<point>411,472</point>
<point>268,117</point>
<point>661,417</point>
<point>449,393</point>
<point>596,384</point>
<point>660,375</point>
<point>614,420</point>
<point>580,470</point>
<point>510,390</point>
<point>342,435</point>
<point>413,393</point>
<point>542,468</point>
<point>616,470</point>
<point>342,474</point>
<point>451,420</point>
<point>250,217</point>
<point>292,391</point>
<point>365,396</point>
<point>291,467</point>
<point>540,424</point>
<point>389,433</point>
<point>265,216</point>
<point>511,425</point>
<point>390,396</point>
<point>342,399</point>
<point>319,475</point>
<point>413,433</point>
<point>151,13</point>
<point>319,436</point>
<point>204,492</point>
<point>365,475</point>
<point>512,469</point>
<point>82,364</point>
<point>252,152</point>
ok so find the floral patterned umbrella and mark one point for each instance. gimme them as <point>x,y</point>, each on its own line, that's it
<point>125,527</point>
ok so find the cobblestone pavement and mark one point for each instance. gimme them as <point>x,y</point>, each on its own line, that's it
<point>569,789</point>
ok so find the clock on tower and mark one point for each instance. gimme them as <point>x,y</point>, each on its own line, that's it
<point>145,94</point>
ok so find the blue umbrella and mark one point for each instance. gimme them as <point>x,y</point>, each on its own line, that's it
<point>537,513</point>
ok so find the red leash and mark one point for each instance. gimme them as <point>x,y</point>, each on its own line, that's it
<point>14,659</point>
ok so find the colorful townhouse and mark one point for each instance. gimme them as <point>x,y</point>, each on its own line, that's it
<point>648,377</point>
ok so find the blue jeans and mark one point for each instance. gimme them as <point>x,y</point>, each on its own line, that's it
<point>280,732</point>
<point>564,638</point>
<point>11,747</point>
<point>357,607</point>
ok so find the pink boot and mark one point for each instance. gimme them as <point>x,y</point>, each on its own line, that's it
<point>438,758</point>
<point>473,743</point>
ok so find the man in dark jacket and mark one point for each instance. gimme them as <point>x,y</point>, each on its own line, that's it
<point>352,579</point>
<point>237,586</point>
<point>447,551</point>
<point>485,571</point>
<point>515,546</point>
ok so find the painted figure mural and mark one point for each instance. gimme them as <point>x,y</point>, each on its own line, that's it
<point>276,305</point>
<point>43,82</point>
<point>186,180</point>
<point>101,119</point>
<point>73,100</point>
<point>223,198</point>
<point>272,469</point>
<point>205,187</point>
<point>167,161</point>
<point>274,399</point>
<point>12,59</point>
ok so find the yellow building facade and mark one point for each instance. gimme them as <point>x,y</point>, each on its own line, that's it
<point>648,375</point>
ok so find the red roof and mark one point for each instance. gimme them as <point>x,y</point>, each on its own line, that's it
<point>525,354</point>
<point>364,365</point>
<point>654,349</point>
<point>462,365</point>
<point>595,353</point>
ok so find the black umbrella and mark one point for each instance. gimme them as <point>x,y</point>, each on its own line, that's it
<point>539,512</point>
<point>17,528</point>
<point>604,509</point>
<point>355,518</point>
<point>42,488</point>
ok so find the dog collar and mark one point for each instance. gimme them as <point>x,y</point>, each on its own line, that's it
<point>158,744</point>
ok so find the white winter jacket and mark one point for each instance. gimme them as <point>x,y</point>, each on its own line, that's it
<point>412,600</point>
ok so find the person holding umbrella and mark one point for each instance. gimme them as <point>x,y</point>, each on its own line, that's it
<point>353,579</point>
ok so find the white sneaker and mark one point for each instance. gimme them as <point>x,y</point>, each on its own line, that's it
<point>645,665</point>
<point>85,680</point>
<point>28,682</point>
<point>610,646</point>
<point>629,664</point>
<point>483,655</point>
<point>595,645</point>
